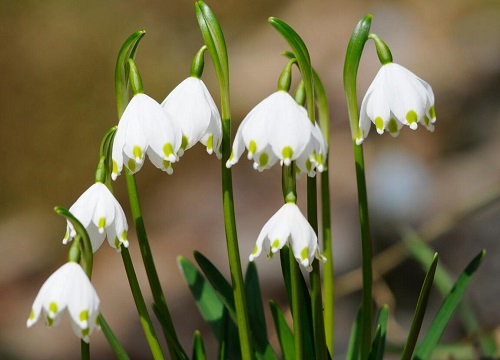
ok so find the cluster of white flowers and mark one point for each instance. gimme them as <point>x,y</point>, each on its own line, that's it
<point>188,115</point>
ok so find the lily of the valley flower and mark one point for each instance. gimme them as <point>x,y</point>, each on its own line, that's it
<point>68,287</point>
<point>193,110</point>
<point>289,226</point>
<point>276,129</point>
<point>101,215</point>
<point>145,128</point>
<point>396,97</point>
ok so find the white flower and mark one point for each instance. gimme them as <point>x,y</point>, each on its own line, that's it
<point>193,110</point>
<point>68,287</point>
<point>396,97</point>
<point>276,129</point>
<point>101,215</point>
<point>309,164</point>
<point>288,225</point>
<point>145,128</point>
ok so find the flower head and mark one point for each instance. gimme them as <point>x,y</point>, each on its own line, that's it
<point>288,225</point>
<point>193,110</point>
<point>396,97</point>
<point>68,287</point>
<point>145,128</point>
<point>276,129</point>
<point>101,215</point>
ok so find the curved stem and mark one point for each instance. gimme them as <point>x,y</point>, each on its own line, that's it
<point>146,323</point>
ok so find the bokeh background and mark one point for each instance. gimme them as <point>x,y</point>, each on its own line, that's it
<point>57,100</point>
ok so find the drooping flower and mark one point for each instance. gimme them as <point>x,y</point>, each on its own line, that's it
<point>276,129</point>
<point>396,97</point>
<point>101,215</point>
<point>68,287</point>
<point>309,164</point>
<point>193,110</point>
<point>145,128</point>
<point>289,226</point>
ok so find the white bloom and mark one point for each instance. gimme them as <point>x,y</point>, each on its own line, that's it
<point>309,164</point>
<point>145,128</point>
<point>193,110</point>
<point>68,287</point>
<point>276,129</point>
<point>288,225</point>
<point>101,215</point>
<point>396,97</point>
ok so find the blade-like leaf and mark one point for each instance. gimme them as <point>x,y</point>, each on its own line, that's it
<point>418,317</point>
<point>375,343</point>
<point>354,339</point>
<point>285,335</point>
<point>256,314</point>
<point>198,348</point>
<point>208,303</point>
<point>382,319</point>
<point>219,283</point>
<point>450,304</point>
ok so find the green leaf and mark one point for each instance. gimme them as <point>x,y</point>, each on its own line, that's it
<point>354,339</point>
<point>418,317</point>
<point>229,346</point>
<point>198,348</point>
<point>207,301</point>
<point>219,283</point>
<point>375,343</point>
<point>382,320</point>
<point>450,304</point>
<point>118,349</point>
<point>256,314</point>
<point>285,335</point>
<point>127,51</point>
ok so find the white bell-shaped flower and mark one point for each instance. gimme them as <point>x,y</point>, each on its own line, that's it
<point>193,110</point>
<point>289,226</point>
<point>276,129</point>
<point>314,157</point>
<point>145,128</point>
<point>68,287</point>
<point>101,215</point>
<point>396,97</point>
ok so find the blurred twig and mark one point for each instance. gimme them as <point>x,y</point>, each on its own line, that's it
<point>429,232</point>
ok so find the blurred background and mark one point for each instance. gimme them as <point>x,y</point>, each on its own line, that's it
<point>57,101</point>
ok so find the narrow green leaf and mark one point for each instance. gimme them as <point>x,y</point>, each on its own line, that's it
<point>219,283</point>
<point>127,51</point>
<point>207,301</point>
<point>375,343</point>
<point>443,281</point>
<point>256,314</point>
<point>382,320</point>
<point>198,348</point>
<point>285,335</point>
<point>450,304</point>
<point>418,317</point>
<point>229,346</point>
<point>354,339</point>
<point>118,349</point>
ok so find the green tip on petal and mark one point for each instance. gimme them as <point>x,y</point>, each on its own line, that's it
<point>210,142</point>
<point>287,153</point>
<point>412,117</point>
<point>85,333</point>
<point>32,315</point>
<point>231,156</point>
<point>137,151</point>
<point>379,123</point>
<point>124,235</point>
<point>252,147</point>
<point>102,223</point>
<point>168,149</point>
<point>308,165</point>
<point>432,112</point>
<point>53,308</point>
<point>255,250</point>
<point>263,159</point>
<point>276,244</point>
<point>184,142</point>
<point>117,243</point>
<point>84,315</point>
<point>304,254</point>
<point>392,126</point>
<point>131,164</point>
<point>115,167</point>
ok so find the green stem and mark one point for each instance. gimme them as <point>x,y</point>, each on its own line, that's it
<point>85,350</point>
<point>146,323</point>
<point>118,349</point>
<point>216,45</point>
<point>366,250</point>
<point>315,277</point>
<point>298,325</point>
<point>149,264</point>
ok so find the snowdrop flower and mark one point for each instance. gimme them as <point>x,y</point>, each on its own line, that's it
<point>395,98</point>
<point>314,157</point>
<point>145,128</point>
<point>288,225</point>
<point>276,129</point>
<point>101,215</point>
<point>193,110</point>
<point>68,287</point>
